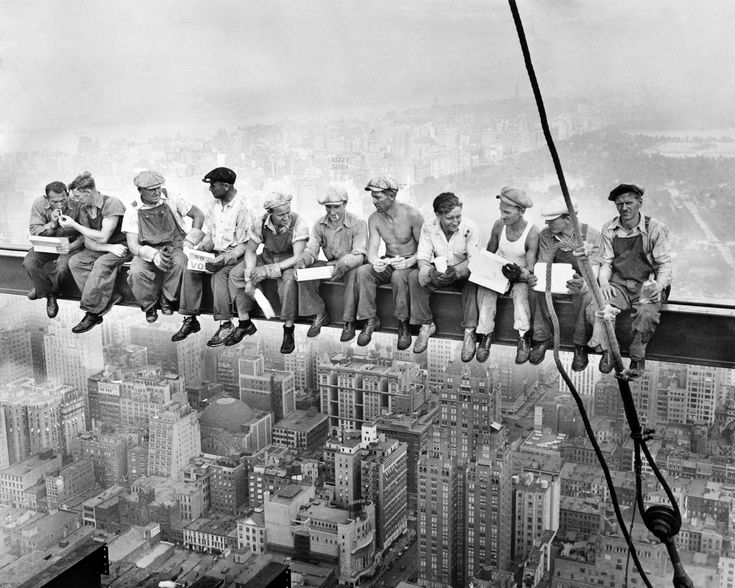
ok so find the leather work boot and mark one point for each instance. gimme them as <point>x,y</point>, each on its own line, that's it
<point>288,344</point>
<point>404,336</point>
<point>151,315</point>
<point>468,345</point>
<point>581,359</point>
<point>89,321</point>
<point>422,341</point>
<point>52,307</point>
<point>218,339</point>
<point>538,351</point>
<point>370,326</point>
<point>524,348</point>
<point>243,329</point>
<point>191,325</point>
<point>483,349</point>
<point>348,332</point>
<point>637,368</point>
<point>167,307</point>
<point>316,326</point>
<point>606,364</point>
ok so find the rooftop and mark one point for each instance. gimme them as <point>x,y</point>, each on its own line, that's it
<point>300,420</point>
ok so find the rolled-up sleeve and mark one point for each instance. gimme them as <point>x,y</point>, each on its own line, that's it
<point>661,252</point>
<point>425,250</point>
<point>39,225</point>
<point>300,230</point>
<point>606,249</point>
<point>356,256</point>
<point>315,241</point>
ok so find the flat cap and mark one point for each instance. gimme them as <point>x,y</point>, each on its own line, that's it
<point>220,174</point>
<point>381,183</point>
<point>557,207</point>
<point>625,189</point>
<point>276,199</point>
<point>514,196</point>
<point>333,195</point>
<point>149,179</point>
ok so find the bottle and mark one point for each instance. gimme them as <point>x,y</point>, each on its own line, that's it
<point>647,289</point>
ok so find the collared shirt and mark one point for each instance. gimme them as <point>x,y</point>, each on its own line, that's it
<point>549,244</point>
<point>227,224</point>
<point>300,228</point>
<point>656,245</point>
<point>460,247</point>
<point>178,205</point>
<point>109,206</point>
<point>348,240</point>
<point>40,224</point>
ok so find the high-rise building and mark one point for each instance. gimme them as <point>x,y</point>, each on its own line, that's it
<point>227,485</point>
<point>703,390</point>
<point>347,489</point>
<point>300,363</point>
<point>536,501</point>
<point>174,439</point>
<point>515,380</point>
<point>16,358</point>
<point>108,454</point>
<point>69,482</point>
<point>306,430</point>
<point>266,389</point>
<point>440,353</point>
<point>17,480</point>
<point>181,357</point>
<point>583,381</point>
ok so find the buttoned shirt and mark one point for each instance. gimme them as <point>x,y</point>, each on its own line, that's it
<point>460,246</point>
<point>41,225</point>
<point>348,240</point>
<point>549,244</point>
<point>300,228</point>
<point>178,205</point>
<point>656,245</point>
<point>227,224</point>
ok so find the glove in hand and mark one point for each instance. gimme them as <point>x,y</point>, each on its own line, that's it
<point>257,275</point>
<point>215,265</point>
<point>512,271</point>
<point>339,271</point>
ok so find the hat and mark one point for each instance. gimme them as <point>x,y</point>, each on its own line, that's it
<point>556,208</point>
<point>276,199</point>
<point>149,179</point>
<point>220,174</point>
<point>382,183</point>
<point>333,195</point>
<point>625,189</point>
<point>514,196</point>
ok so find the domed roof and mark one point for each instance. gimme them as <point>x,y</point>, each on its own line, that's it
<point>226,413</point>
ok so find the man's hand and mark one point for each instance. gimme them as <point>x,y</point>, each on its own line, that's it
<point>442,279</point>
<point>577,285</point>
<point>67,222</point>
<point>608,292</point>
<point>64,248</point>
<point>608,313</point>
<point>257,275</point>
<point>512,271</point>
<point>117,249</point>
<point>532,280</point>
<point>300,263</point>
<point>585,250</point>
<point>656,294</point>
<point>340,269</point>
<point>401,263</point>
<point>55,214</point>
<point>162,260</point>
<point>215,265</point>
<point>380,266</point>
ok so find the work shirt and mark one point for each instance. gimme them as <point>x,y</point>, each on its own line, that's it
<point>178,205</point>
<point>40,224</point>
<point>348,240</point>
<point>105,206</point>
<point>461,245</point>
<point>300,228</point>
<point>227,224</point>
<point>656,245</point>
<point>549,245</point>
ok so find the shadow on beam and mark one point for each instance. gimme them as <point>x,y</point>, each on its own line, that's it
<point>701,333</point>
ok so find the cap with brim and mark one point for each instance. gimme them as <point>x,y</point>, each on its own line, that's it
<point>220,174</point>
<point>556,208</point>
<point>333,195</point>
<point>621,189</point>
<point>381,184</point>
<point>149,179</point>
<point>276,199</point>
<point>515,197</point>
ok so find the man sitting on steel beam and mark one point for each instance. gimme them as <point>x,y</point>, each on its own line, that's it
<point>48,270</point>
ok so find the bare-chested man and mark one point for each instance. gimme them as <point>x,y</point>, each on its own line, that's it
<point>399,226</point>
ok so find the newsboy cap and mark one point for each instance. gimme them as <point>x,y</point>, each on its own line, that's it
<point>220,174</point>
<point>621,189</point>
<point>556,208</point>
<point>333,195</point>
<point>276,199</point>
<point>514,196</point>
<point>149,179</point>
<point>382,183</point>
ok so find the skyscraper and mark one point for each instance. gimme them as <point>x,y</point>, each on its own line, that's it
<point>182,357</point>
<point>173,440</point>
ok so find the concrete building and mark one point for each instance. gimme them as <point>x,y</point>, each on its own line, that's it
<point>16,480</point>
<point>536,503</point>
<point>108,453</point>
<point>251,532</point>
<point>103,510</point>
<point>68,482</point>
<point>301,364</point>
<point>228,426</point>
<point>228,486</point>
<point>174,439</point>
<point>266,389</point>
<point>307,430</point>
<point>182,357</point>
<point>16,357</point>
<point>212,534</point>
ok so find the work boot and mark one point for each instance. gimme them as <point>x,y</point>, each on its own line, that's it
<point>404,335</point>
<point>316,326</point>
<point>52,307</point>
<point>89,321</point>
<point>422,341</point>
<point>191,325</point>
<point>483,349</point>
<point>469,344</point>
<point>114,299</point>
<point>243,329</point>
<point>637,368</point>
<point>581,360</point>
<point>524,348</point>
<point>348,331</point>
<point>370,326</point>
<point>538,351</point>
<point>151,315</point>
<point>167,307</point>
<point>606,364</point>
<point>218,339</point>
<point>288,344</point>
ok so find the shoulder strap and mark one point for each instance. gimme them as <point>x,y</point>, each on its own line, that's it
<point>583,230</point>
<point>647,221</point>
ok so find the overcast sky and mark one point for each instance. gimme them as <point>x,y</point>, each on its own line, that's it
<point>73,63</point>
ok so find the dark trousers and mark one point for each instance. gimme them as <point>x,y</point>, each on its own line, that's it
<point>311,303</point>
<point>47,271</point>
<point>542,321</point>
<point>367,281</point>
<point>191,293</point>
<point>421,295</point>
<point>288,292</point>
<point>95,273</point>
<point>147,281</point>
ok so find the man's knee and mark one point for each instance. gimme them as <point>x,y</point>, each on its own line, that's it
<point>399,278</point>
